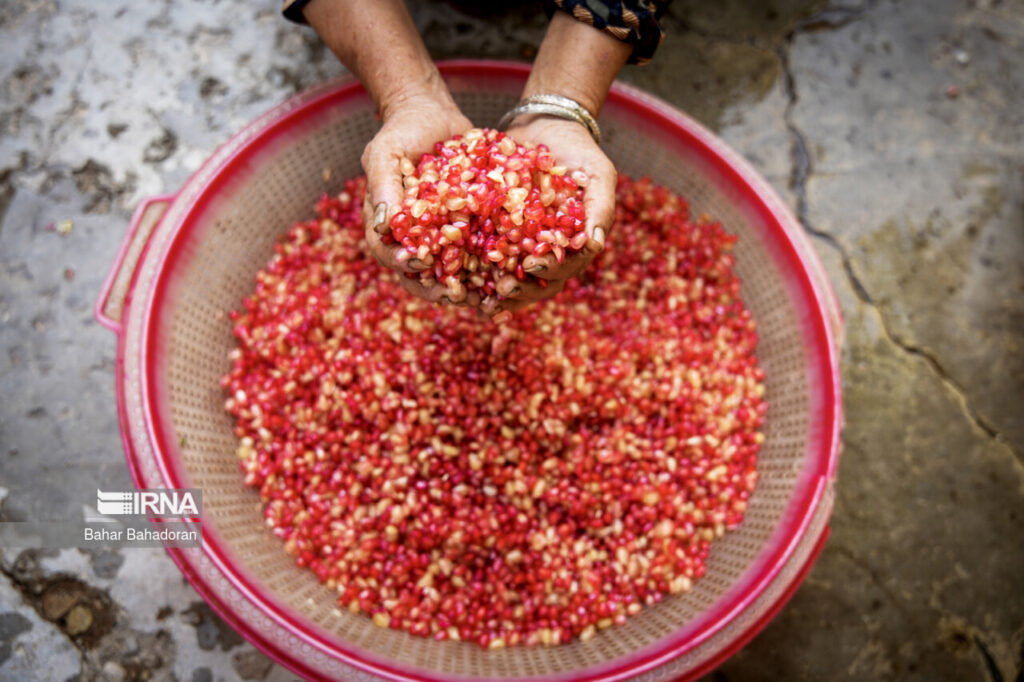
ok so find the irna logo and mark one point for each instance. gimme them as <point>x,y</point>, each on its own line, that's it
<point>172,502</point>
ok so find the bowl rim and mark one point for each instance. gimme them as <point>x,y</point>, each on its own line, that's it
<point>814,481</point>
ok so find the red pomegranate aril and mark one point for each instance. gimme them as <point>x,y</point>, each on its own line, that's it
<point>578,241</point>
<point>501,188</point>
<point>521,484</point>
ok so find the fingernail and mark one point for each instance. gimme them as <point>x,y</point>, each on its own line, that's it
<point>444,300</point>
<point>514,292</point>
<point>379,215</point>
<point>599,236</point>
<point>417,264</point>
<point>535,269</point>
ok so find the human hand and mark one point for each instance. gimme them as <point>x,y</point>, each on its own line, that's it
<point>416,107</point>
<point>411,128</point>
<point>572,147</point>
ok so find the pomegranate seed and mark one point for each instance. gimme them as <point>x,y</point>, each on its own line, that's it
<point>515,190</point>
<point>519,484</point>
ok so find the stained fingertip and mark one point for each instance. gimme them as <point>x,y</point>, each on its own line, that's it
<point>379,218</point>
<point>386,259</point>
<point>412,287</point>
<point>392,256</point>
<point>595,244</point>
<point>456,292</point>
<point>489,305</point>
<point>539,265</point>
<point>406,261</point>
<point>509,287</point>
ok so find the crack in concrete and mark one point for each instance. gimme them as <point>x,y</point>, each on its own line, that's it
<point>23,586</point>
<point>970,634</point>
<point>700,32</point>
<point>830,18</point>
<point>990,663</point>
<point>875,579</point>
<point>6,193</point>
<point>66,114</point>
<point>801,170</point>
<point>933,363</point>
<point>91,620</point>
<point>826,19</point>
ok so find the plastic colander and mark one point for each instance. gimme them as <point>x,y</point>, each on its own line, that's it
<point>189,258</point>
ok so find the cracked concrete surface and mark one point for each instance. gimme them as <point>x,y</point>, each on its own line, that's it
<point>893,129</point>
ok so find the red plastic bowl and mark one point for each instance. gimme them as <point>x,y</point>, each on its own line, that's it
<point>189,258</point>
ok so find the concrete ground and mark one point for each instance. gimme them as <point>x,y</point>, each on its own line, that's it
<point>895,130</point>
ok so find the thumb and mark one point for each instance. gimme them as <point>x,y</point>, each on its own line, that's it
<point>383,187</point>
<point>599,204</point>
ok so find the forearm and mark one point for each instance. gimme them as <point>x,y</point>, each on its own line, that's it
<point>378,42</point>
<point>577,61</point>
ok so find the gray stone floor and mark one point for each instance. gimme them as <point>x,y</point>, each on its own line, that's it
<point>894,129</point>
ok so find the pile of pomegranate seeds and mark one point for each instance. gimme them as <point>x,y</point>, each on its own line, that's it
<point>479,205</point>
<point>518,484</point>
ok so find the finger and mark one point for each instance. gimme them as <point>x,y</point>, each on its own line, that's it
<point>527,291</point>
<point>509,286</point>
<point>599,204</point>
<point>500,310</point>
<point>435,292</point>
<point>384,192</point>
<point>515,304</point>
<point>394,256</point>
<point>375,218</point>
<point>431,291</point>
<point>473,299</point>
<point>491,305</point>
<point>383,178</point>
<point>379,219</point>
<point>512,305</point>
<point>547,266</point>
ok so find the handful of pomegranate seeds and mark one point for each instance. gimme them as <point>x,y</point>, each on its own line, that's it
<point>523,484</point>
<point>479,205</point>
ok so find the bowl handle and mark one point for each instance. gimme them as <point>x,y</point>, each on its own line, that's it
<point>110,304</point>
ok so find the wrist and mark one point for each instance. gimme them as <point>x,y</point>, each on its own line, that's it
<point>393,74</point>
<point>553,107</point>
<point>589,98</point>
<point>576,61</point>
<point>427,89</point>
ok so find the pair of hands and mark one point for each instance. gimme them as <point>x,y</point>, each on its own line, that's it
<point>412,128</point>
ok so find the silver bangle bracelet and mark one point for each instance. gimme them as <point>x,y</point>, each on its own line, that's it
<point>554,105</point>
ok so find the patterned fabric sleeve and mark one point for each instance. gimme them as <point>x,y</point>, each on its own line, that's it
<point>292,9</point>
<point>633,21</point>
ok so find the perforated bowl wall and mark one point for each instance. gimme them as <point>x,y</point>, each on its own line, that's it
<point>201,260</point>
